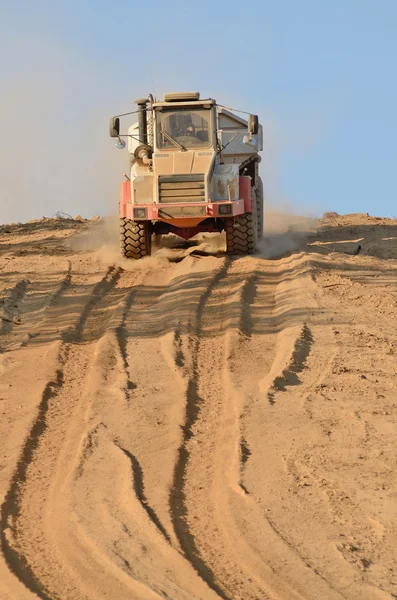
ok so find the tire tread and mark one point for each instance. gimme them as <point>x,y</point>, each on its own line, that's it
<point>135,239</point>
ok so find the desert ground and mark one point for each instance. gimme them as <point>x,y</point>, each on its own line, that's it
<point>198,426</point>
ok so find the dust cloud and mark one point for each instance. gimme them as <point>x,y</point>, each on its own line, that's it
<point>101,238</point>
<point>284,232</point>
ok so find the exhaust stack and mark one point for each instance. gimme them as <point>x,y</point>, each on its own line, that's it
<point>142,119</point>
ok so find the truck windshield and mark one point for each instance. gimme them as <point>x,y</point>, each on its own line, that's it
<point>189,128</point>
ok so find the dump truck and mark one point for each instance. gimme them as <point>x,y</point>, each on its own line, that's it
<point>193,168</point>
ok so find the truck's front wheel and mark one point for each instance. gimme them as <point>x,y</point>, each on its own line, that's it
<point>135,238</point>
<point>259,207</point>
<point>241,234</point>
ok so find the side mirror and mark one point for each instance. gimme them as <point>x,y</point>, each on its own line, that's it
<point>114,127</point>
<point>253,124</point>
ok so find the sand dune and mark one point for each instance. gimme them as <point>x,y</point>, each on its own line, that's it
<point>195,426</point>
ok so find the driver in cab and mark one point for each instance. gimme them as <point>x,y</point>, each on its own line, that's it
<point>182,126</point>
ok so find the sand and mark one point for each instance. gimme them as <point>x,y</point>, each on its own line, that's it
<point>195,426</point>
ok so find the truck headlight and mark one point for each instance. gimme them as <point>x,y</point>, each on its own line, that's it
<point>139,213</point>
<point>225,209</point>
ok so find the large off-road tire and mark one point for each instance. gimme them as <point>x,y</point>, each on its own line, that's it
<point>241,234</point>
<point>259,208</point>
<point>135,239</point>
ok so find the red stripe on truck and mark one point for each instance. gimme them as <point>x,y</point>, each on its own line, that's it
<point>245,192</point>
<point>125,197</point>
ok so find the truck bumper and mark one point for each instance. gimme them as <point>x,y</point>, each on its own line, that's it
<point>154,212</point>
<point>186,211</point>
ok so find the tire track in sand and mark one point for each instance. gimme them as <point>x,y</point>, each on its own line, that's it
<point>164,308</point>
<point>48,559</point>
<point>84,330</point>
<point>177,497</point>
<point>158,307</point>
<point>238,325</point>
<point>139,488</point>
<point>12,536</point>
<point>211,441</point>
<point>121,334</point>
<point>10,305</point>
<point>27,306</point>
<point>258,394</point>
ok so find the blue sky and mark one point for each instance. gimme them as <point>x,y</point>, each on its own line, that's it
<point>321,75</point>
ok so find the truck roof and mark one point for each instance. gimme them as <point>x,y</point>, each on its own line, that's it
<point>204,102</point>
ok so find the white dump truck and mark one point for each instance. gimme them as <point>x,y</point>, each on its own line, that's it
<point>193,168</point>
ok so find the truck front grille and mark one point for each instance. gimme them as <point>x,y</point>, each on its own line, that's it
<point>181,188</point>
